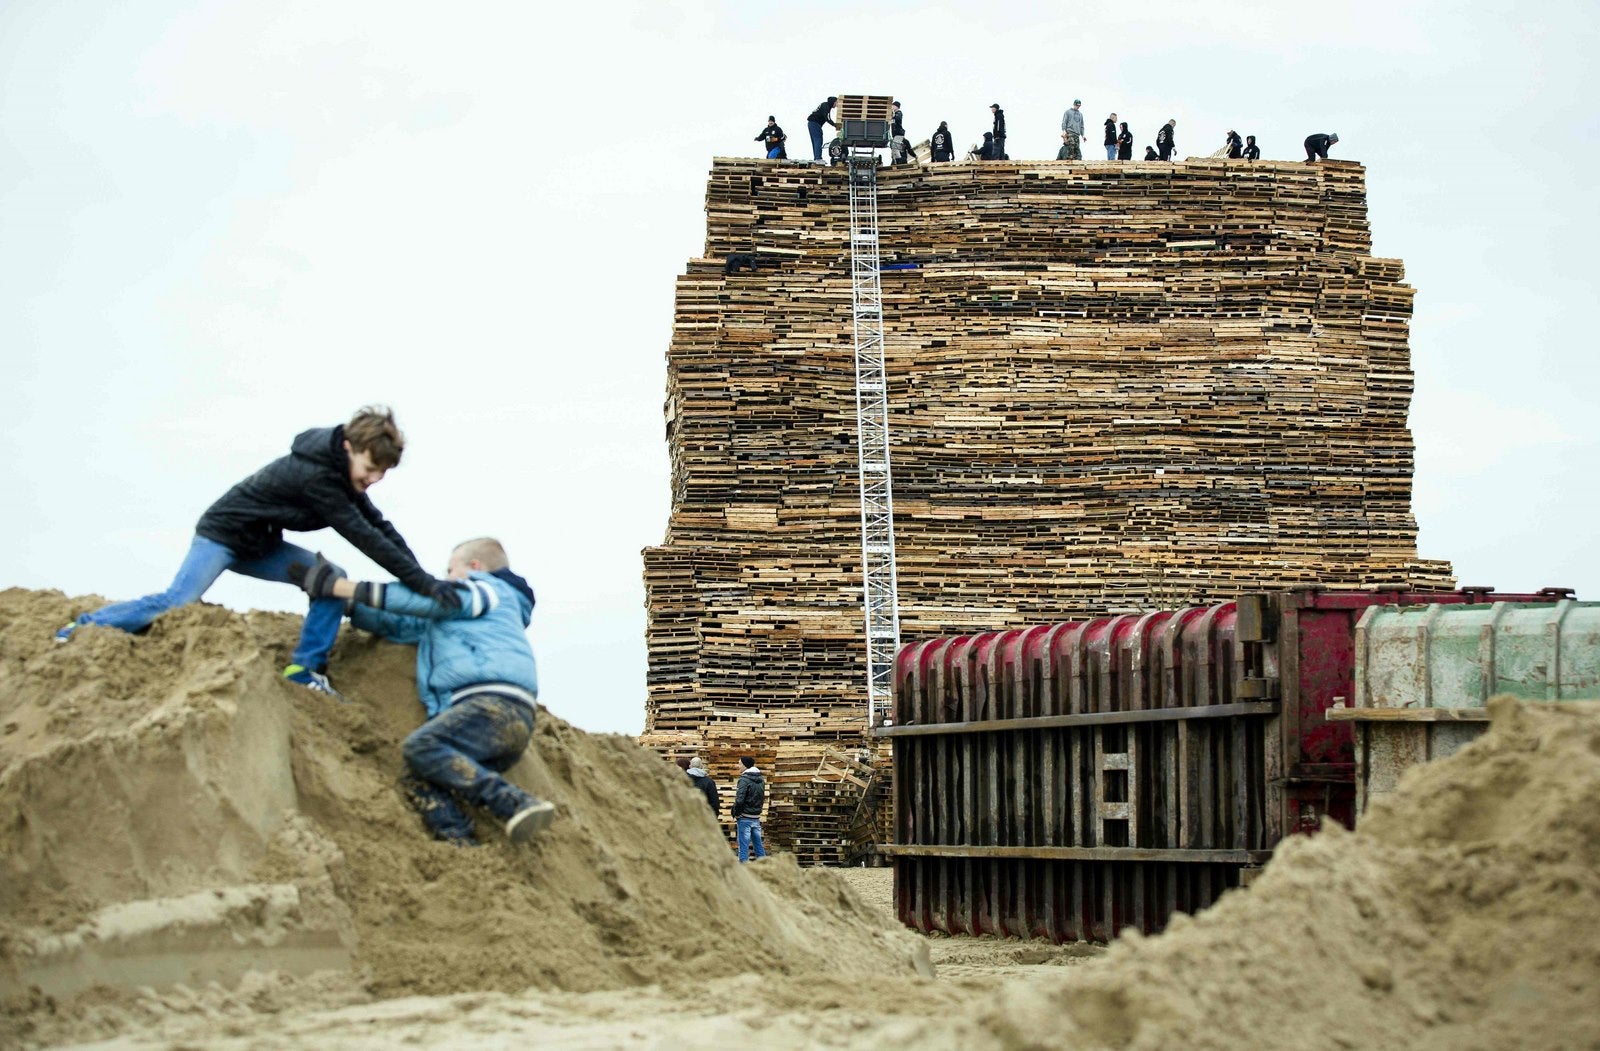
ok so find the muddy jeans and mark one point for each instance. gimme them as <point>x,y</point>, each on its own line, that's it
<point>460,754</point>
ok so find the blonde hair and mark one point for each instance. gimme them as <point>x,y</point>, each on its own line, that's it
<point>484,549</point>
<point>372,430</point>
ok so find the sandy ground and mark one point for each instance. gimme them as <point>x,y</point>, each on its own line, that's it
<point>249,876</point>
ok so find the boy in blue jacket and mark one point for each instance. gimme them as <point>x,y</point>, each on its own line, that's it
<point>476,677</point>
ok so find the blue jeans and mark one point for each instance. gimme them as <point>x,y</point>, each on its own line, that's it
<point>460,754</point>
<point>816,139</point>
<point>201,567</point>
<point>748,831</point>
<point>1111,151</point>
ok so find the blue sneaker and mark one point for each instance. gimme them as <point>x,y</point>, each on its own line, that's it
<point>311,680</point>
<point>65,634</point>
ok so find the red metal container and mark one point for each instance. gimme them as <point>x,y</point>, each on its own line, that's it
<point>1069,780</point>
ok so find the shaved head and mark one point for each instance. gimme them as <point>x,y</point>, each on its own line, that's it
<point>484,549</point>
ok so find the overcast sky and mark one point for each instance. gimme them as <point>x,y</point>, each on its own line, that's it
<point>221,223</point>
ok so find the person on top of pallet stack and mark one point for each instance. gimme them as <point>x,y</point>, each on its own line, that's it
<point>748,797</point>
<point>1235,145</point>
<point>897,123</point>
<point>814,123</point>
<point>986,152</point>
<point>476,679</point>
<point>1124,143</point>
<point>1111,137</point>
<point>943,143</point>
<point>1150,154</point>
<point>774,138</point>
<point>998,153</point>
<point>1317,146</point>
<point>1166,139</point>
<point>700,777</point>
<point>1072,131</point>
<point>1252,152</point>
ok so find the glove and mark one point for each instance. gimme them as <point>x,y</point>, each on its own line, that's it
<point>444,592</point>
<point>315,580</point>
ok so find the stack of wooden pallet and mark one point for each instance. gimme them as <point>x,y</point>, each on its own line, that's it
<point>1113,386</point>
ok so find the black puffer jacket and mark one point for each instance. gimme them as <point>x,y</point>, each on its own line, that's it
<point>750,794</point>
<point>307,490</point>
<point>708,788</point>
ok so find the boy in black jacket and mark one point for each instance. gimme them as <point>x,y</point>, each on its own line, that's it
<point>748,796</point>
<point>322,482</point>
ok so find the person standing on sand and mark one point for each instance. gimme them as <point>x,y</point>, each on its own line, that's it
<point>748,797</point>
<point>700,777</point>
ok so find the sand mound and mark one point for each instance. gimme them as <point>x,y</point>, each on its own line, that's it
<point>1464,913</point>
<point>255,824</point>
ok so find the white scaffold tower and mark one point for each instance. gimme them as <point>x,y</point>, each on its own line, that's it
<point>881,583</point>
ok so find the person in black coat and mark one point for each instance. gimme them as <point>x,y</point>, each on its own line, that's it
<point>1166,139</point>
<point>774,138</point>
<point>1111,137</point>
<point>701,779</point>
<point>748,797</point>
<point>999,133</point>
<point>1124,143</point>
<point>1317,146</point>
<point>1235,145</point>
<point>942,143</point>
<point>820,116</point>
<point>322,482</point>
<point>1150,154</point>
<point>986,151</point>
<point>1252,152</point>
<point>897,123</point>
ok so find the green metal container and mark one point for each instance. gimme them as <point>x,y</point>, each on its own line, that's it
<point>1424,674</point>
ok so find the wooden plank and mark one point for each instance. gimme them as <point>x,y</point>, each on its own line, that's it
<point>1407,715</point>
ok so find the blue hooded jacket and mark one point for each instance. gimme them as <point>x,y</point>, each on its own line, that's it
<point>462,651</point>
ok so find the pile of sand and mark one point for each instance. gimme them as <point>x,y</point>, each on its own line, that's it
<point>165,800</point>
<point>171,811</point>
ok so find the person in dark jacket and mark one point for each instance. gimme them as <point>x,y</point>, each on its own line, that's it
<point>897,123</point>
<point>820,116</point>
<point>986,151</point>
<point>1111,137</point>
<point>322,482</point>
<point>476,679</point>
<point>748,797</point>
<point>1166,139</point>
<point>700,777</point>
<point>999,133</point>
<point>1317,146</point>
<point>942,143</point>
<point>1235,145</point>
<point>1252,152</point>
<point>1124,143</point>
<point>1150,154</point>
<point>774,138</point>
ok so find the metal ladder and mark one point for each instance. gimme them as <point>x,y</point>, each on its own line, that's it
<point>881,584</point>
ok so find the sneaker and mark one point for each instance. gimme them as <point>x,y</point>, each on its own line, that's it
<point>311,680</point>
<point>65,634</point>
<point>529,820</point>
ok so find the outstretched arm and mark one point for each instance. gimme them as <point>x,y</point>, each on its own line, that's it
<point>467,598</point>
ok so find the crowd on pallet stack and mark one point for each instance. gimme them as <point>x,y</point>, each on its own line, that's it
<point>941,144</point>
